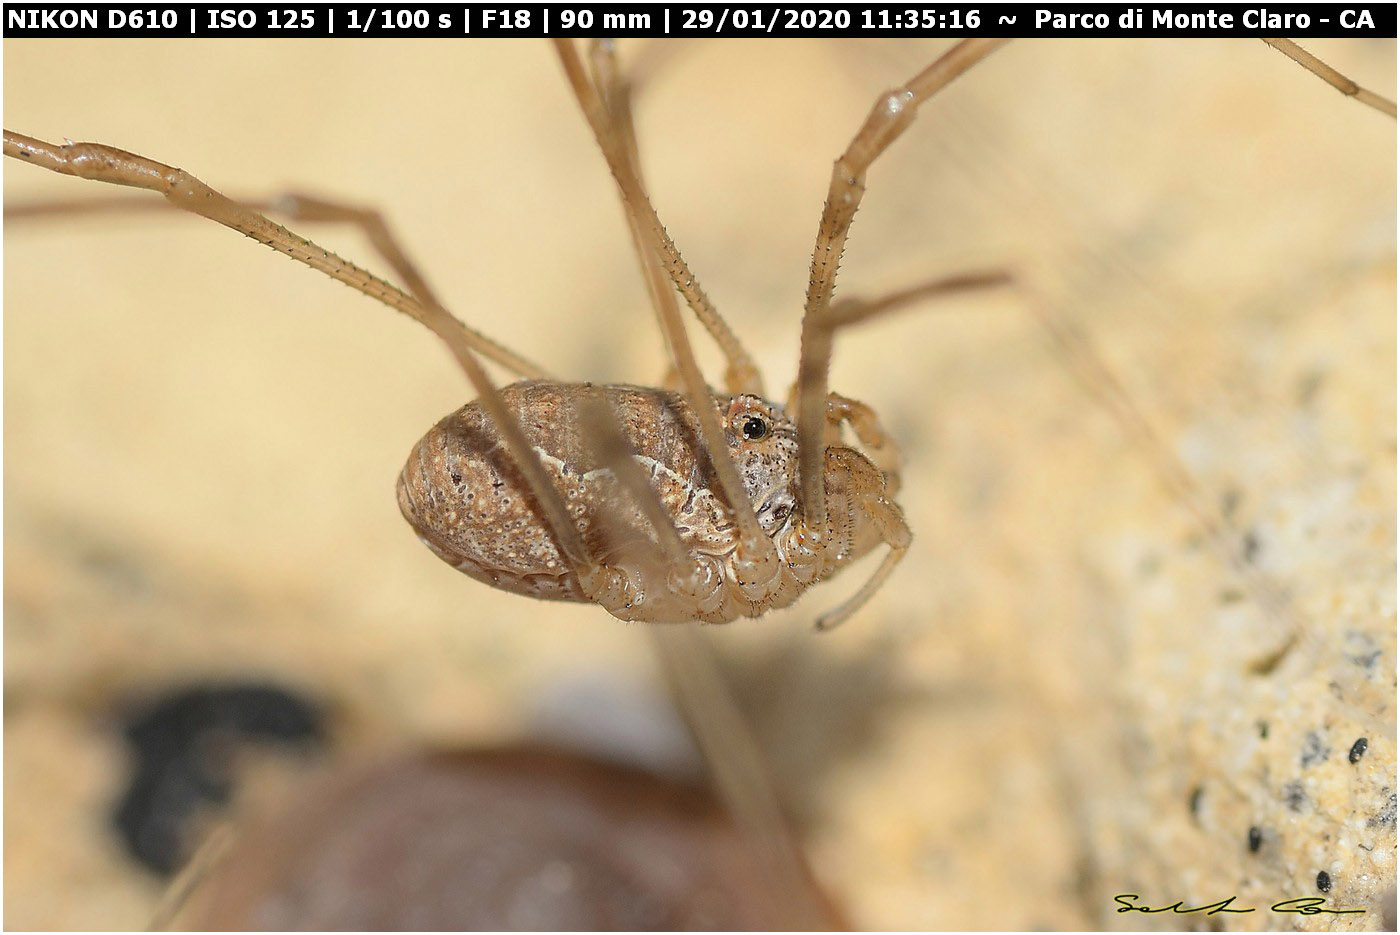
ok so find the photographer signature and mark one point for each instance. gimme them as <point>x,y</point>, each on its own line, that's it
<point>1306,906</point>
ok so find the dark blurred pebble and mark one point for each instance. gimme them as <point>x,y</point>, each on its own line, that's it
<point>184,743</point>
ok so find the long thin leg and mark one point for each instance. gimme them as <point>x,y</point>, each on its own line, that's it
<point>599,422</point>
<point>742,371</point>
<point>741,375</point>
<point>1089,367</point>
<point>820,331</point>
<point>874,498</point>
<point>757,560</point>
<point>738,768</point>
<point>298,207</point>
<point>108,164</point>
<point>854,310</point>
<point>1333,77</point>
<point>892,113</point>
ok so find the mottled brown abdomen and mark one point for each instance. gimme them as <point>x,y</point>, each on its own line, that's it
<point>463,494</point>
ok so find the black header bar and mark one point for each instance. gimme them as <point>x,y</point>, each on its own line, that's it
<point>533,20</point>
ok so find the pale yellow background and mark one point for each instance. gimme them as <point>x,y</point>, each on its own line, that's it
<point>202,438</point>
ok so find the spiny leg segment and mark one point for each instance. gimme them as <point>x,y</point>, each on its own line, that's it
<point>688,575</point>
<point>299,207</point>
<point>891,115</point>
<point>618,143</point>
<point>616,93</point>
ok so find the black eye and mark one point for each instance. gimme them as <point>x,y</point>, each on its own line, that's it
<point>754,428</point>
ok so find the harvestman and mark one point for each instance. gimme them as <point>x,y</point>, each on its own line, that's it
<point>660,505</point>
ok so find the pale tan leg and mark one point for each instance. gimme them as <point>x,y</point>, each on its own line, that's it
<point>757,561</point>
<point>298,207</point>
<point>892,113</point>
<point>739,770</point>
<point>1333,77</point>
<point>862,419</point>
<point>618,139</point>
<point>854,310</point>
<point>740,375</point>
<point>108,164</point>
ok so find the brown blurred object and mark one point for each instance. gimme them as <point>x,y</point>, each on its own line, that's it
<point>511,839</point>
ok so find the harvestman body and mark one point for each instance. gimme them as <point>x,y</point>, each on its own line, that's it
<point>462,492</point>
<point>659,505</point>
